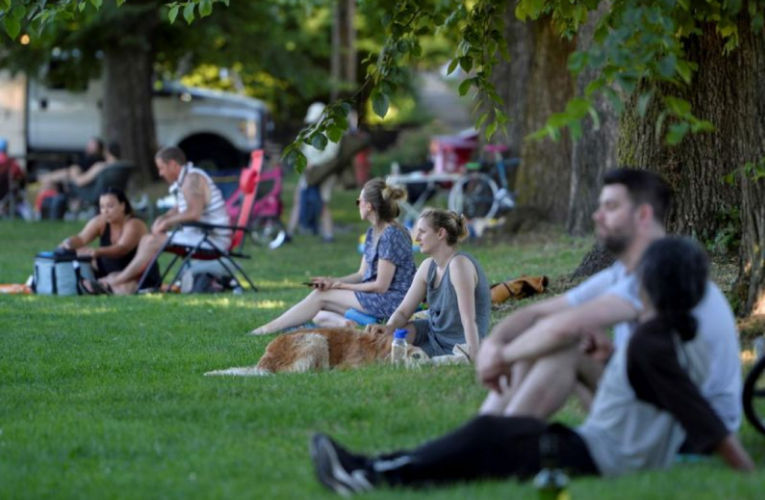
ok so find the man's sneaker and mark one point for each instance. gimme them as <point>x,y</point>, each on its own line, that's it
<point>337,469</point>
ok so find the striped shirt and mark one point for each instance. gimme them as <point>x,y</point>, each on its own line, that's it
<point>214,211</point>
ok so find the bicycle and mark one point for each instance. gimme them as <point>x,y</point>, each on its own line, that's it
<point>753,396</point>
<point>477,195</point>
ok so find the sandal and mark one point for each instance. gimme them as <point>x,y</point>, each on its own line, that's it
<point>93,287</point>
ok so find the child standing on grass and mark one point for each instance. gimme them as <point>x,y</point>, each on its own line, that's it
<point>647,404</point>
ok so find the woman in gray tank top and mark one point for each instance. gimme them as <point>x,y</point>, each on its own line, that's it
<point>454,286</point>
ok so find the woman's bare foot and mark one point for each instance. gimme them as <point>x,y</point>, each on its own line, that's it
<point>260,331</point>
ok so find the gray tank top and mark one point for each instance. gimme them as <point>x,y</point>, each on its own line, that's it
<point>445,325</point>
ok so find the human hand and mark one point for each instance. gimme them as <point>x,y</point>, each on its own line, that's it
<point>323,283</point>
<point>160,226</point>
<point>597,344</point>
<point>86,252</point>
<point>490,368</point>
<point>66,244</point>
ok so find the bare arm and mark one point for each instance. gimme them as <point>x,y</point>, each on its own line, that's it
<point>563,329</point>
<point>413,298</point>
<point>734,454</point>
<point>464,281</point>
<point>385,271</point>
<point>131,234</point>
<point>90,175</point>
<point>489,358</point>
<point>93,229</point>
<point>551,332</point>
<point>196,194</point>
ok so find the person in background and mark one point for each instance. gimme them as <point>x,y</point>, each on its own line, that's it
<point>453,284</point>
<point>199,200</point>
<point>12,177</point>
<point>118,232</point>
<point>315,158</point>
<point>385,274</point>
<point>94,155</point>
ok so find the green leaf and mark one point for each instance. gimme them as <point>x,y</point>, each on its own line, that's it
<point>335,134</point>
<point>465,86</point>
<point>679,107</point>
<point>481,119</point>
<point>97,3</point>
<point>5,4</point>
<point>300,162</point>
<point>188,12</point>
<point>702,126</point>
<point>380,104</point>
<point>491,128</point>
<point>667,66</point>
<point>18,12</point>
<point>643,101</point>
<point>466,63</point>
<point>173,13</point>
<point>595,119</point>
<point>684,70</point>
<point>593,86</point>
<point>577,108</point>
<point>12,27</point>
<point>676,133</point>
<point>319,141</point>
<point>205,8</point>
<point>452,66</point>
<point>577,61</point>
<point>576,130</point>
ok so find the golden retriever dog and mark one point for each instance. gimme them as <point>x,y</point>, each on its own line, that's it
<point>320,349</point>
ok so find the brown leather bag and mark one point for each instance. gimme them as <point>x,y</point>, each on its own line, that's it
<point>519,288</point>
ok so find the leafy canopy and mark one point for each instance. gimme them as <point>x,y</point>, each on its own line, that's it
<point>635,40</point>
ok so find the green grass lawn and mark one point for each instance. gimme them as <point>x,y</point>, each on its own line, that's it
<point>103,397</point>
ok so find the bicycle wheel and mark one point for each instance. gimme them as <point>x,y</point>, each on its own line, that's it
<point>475,196</point>
<point>267,232</point>
<point>754,395</point>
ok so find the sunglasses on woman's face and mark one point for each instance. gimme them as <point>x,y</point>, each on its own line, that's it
<point>358,201</point>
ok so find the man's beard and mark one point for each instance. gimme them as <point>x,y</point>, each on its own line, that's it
<point>615,244</point>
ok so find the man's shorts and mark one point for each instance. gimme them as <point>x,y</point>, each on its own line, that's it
<point>191,236</point>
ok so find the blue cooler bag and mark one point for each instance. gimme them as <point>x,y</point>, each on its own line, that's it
<point>60,273</point>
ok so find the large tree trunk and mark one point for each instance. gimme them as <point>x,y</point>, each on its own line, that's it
<point>695,167</point>
<point>128,117</point>
<point>747,142</point>
<point>595,152</point>
<point>544,176</point>
<point>727,90</point>
<point>511,79</point>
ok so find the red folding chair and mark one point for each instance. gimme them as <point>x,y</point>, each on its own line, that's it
<point>206,249</point>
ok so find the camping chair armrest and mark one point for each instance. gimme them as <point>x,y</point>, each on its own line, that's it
<point>206,226</point>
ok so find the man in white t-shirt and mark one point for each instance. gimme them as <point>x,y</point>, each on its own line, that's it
<point>539,355</point>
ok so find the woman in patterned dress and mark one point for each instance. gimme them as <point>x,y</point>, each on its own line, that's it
<point>385,274</point>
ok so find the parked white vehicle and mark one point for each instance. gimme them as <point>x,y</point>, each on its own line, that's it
<point>213,128</point>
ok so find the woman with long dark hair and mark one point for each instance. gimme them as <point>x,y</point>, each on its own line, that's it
<point>118,232</point>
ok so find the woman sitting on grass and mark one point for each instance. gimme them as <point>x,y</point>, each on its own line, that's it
<point>118,231</point>
<point>647,405</point>
<point>386,271</point>
<point>452,283</point>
